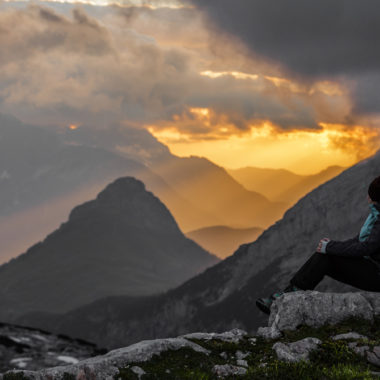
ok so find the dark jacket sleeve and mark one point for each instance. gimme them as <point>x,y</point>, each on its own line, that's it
<point>355,248</point>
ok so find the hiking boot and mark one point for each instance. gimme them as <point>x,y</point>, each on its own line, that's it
<point>264,304</point>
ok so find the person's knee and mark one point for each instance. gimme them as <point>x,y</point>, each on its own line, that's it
<point>322,260</point>
<point>321,256</point>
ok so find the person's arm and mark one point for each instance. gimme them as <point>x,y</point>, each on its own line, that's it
<point>321,248</point>
<point>355,248</point>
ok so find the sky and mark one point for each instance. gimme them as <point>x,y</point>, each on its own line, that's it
<point>244,83</point>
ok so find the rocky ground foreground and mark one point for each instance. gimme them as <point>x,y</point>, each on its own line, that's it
<point>310,335</point>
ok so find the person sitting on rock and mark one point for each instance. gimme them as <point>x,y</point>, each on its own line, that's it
<point>354,261</point>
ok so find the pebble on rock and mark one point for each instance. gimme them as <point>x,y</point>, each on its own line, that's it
<point>226,370</point>
<point>138,371</point>
<point>242,363</point>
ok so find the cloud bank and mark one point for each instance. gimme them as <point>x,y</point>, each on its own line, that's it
<point>243,67</point>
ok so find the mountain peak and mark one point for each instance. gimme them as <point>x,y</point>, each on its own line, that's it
<point>120,188</point>
<point>127,202</point>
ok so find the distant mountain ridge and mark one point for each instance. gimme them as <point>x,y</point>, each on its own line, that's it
<point>223,240</point>
<point>213,190</point>
<point>223,296</point>
<point>123,242</point>
<point>282,185</point>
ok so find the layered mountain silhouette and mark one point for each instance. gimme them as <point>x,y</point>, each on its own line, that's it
<point>223,240</point>
<point>224,295</point>
<point>45,173</point>
<point>219,199</point>
<point>213,190</point>
<point>125,242</point>
<point>282,185</point>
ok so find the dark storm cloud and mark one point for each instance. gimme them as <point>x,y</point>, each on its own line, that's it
<point>319,38</point>
<point>366,93</point>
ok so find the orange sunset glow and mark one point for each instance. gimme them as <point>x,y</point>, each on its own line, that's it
<point>268,146</point>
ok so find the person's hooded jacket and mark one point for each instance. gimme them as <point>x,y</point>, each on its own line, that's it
<point>365,244</point>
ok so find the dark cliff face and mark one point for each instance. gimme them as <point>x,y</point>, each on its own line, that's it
<point>224,295</point>
<point>125,242</point>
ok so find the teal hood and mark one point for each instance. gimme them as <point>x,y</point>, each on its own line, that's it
<point>370,221</point>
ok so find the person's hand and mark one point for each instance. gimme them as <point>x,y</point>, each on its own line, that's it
<point>322,245</point>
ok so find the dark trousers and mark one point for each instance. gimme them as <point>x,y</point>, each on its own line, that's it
<point>358,272</point>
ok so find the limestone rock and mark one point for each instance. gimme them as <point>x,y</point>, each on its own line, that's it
<point>360,350</point>
<point>224,355</point>
<point>270,332</point>
<point>252,340</point>
<point>374,299</point>
<point>138,371</point>
<point>350,335</point>
<point>228,370</point>
<point>374,356</point>
<point>241,355</point>
<point>315,309</point>
<point>233,336</point>
<point>296,351</point>
<point>242,363</point>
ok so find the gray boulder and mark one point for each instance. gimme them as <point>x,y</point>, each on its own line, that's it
<point>296,351</point>
<point>315,309</point>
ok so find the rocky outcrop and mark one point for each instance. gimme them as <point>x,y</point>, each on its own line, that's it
<point>315,309</point>
<point>236,353</point>
<point>312,308</point>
